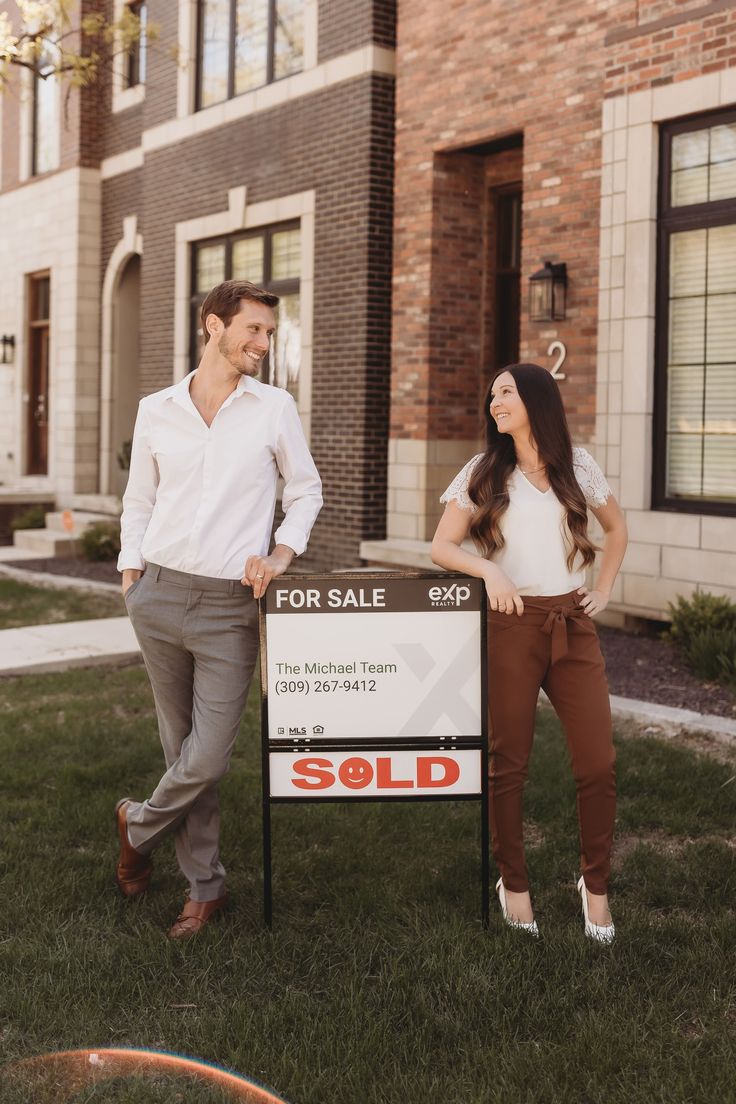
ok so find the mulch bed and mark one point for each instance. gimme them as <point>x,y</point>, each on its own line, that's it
<point>650,669</point>
<point>638,666</point>
<point>76,566</point>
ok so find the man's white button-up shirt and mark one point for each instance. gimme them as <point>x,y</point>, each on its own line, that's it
<point>201,498</point>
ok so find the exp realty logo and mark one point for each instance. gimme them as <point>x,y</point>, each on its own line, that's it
<point>452,594</point>
<point>61,1078</point>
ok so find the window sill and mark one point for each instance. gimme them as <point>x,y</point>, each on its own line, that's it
<point>128,97</point>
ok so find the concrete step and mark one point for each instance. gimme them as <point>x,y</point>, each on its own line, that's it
<point>45,542</point>
<point>91,504</point>
<point>80,519</point>
<point>11,496</point>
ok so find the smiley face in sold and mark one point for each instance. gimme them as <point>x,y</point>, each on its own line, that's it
<point>355,773</point>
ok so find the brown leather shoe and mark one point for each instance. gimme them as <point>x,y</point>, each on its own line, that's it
<point>193,917</point>
<point>133,872</point>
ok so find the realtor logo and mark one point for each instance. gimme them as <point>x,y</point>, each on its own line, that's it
<point>452,595</point>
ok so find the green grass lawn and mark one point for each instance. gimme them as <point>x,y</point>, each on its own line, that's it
<point>24,604</point>
<point>377,984</point>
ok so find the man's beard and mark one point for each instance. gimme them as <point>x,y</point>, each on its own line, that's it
<point>239,361</point>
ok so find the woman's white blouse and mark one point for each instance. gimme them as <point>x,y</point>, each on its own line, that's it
<point>534,526</point>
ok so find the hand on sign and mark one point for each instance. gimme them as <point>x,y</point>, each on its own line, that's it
<point>503,596</point>
<point>260,570</point>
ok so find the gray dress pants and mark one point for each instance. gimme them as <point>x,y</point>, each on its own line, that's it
<point>199,640</point>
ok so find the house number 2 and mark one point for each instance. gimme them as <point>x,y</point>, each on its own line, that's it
<point>560,349</point>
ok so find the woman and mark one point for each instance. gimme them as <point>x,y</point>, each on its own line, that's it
<point>524,502</point>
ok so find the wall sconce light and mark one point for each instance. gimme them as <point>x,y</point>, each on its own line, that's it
<point>7,345</point>
<point>548,293</point>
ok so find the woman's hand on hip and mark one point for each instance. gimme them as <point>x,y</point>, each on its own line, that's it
<point>503,596</point>
<point>593,601</point>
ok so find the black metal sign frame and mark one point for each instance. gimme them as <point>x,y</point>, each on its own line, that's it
<point>423,743</point>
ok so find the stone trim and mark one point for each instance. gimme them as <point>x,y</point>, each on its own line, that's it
<point>670,553</point>
<point>243,216</point>
<point>369,59</point>
<point>129,245</point>
<point>418,473</point>
<point>360,63</point>
<point>694,15</point>
<point>120,163</point>
<point>61,204</point>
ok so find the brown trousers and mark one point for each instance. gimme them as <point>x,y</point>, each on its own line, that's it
<point>553,645</point>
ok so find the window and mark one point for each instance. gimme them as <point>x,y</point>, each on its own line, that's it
<point>244,44</point>
<point>507,313</point>
<point>37,378</point>
<point>270,258</point>
<point>695,389</point>
<point>135,72</point>
<point>45,144</point>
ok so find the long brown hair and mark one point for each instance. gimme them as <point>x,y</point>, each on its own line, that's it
<point>548,427</point>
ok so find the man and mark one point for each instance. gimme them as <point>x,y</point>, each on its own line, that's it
<point>195,532</point>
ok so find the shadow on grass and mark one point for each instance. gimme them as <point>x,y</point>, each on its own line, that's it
<point>377,983</point>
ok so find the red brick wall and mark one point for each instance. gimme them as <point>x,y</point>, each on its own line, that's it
<point>484,75</point>
<point>699,39</point>
<point>540,74</point>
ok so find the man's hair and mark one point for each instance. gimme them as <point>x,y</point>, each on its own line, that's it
<point>225,299</point>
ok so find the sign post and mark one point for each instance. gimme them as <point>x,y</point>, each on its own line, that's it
<point>373,689</point>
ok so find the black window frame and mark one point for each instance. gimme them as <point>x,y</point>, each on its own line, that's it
<point>270,54</point>
<point>671,220</point>
<point>291,286</point>
<point>507,277</point>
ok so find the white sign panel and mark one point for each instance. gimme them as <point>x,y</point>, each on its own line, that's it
<point>323,773</point>
<point>375,659</point>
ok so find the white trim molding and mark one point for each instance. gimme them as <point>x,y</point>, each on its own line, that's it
<point>368,59</point>
<point>664,545</point>
<point>127,161</point>
<point>130,245</point>
<point>240,215</point>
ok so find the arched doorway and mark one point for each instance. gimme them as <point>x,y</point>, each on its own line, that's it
<point>125,390</point>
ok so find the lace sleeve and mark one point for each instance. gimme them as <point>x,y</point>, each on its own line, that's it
<point>590,477</point>
<point>458,489</point>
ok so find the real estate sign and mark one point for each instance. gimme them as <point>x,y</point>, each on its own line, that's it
<point>374,686</point>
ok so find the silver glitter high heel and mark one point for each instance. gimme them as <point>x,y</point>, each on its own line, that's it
<point>520,924</point>
<point>601,933</point>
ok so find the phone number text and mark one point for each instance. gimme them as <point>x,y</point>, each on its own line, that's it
<point>325,686</point>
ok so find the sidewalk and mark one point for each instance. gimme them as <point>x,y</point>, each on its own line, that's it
<point>111,641</point>
<point>36,649</point>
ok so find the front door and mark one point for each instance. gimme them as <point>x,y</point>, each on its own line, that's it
<point>38,374</point>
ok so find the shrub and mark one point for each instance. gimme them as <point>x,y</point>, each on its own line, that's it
<point>704,630</point>
<point>101,541</point>
<point>34,517</point>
